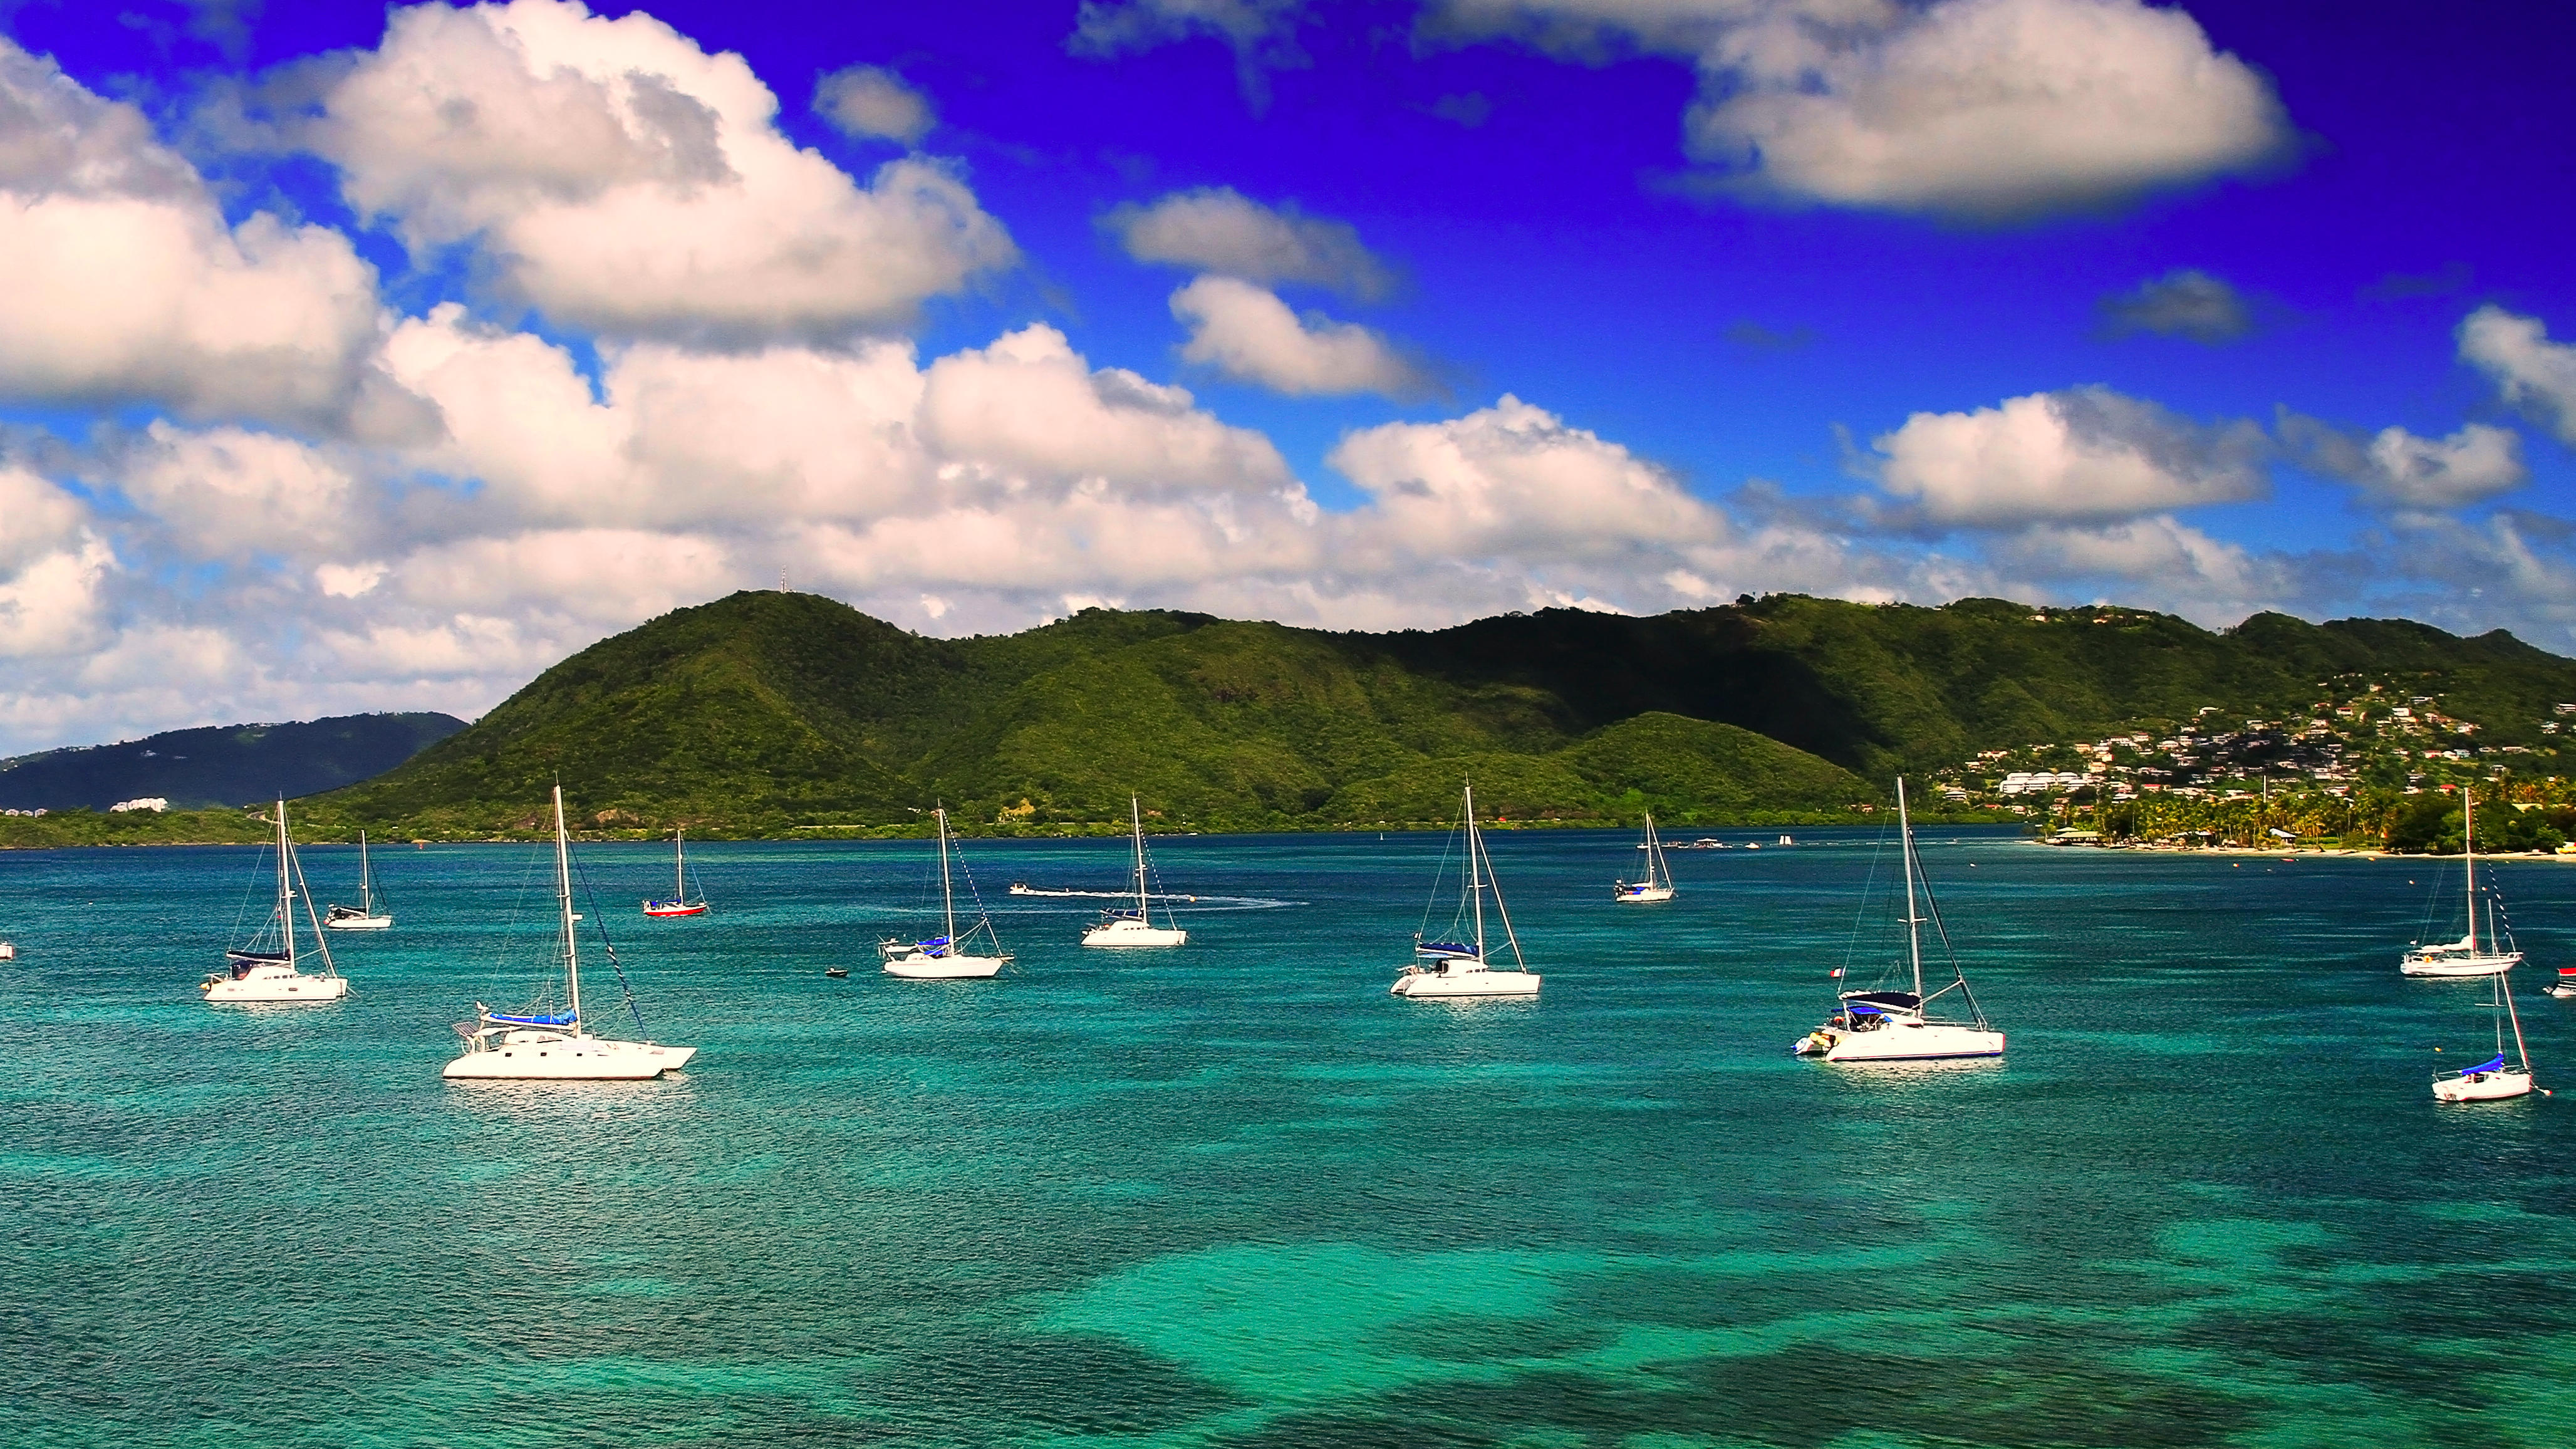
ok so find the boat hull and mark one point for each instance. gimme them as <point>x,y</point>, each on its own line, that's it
<point>268,984</point>
<point>1642,895</point>
<point>1922,1041</point>
<point>569,1059</point>
<point>1459,985</point>
<point>2459,966</point>
<point>2484,1087</point>
<point>358,923</point>
<point>663,910</point>
<point>1133,933</point>
<point>945,968</point>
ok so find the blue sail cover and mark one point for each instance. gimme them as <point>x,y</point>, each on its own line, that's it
<point>2494,1066</point>
<point>533,1019</point>
<point>1453,950</point>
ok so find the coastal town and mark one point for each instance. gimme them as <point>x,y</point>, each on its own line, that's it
<point>2351,771</point>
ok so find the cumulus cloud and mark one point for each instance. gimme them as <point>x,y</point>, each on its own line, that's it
<point>1516,478</point>
<point>620,179</point>
<point>1218,229</point>
<point>1246,332</point>
<point>2181,561</point>
<point>2534,374</point>
<point>1261,33</point>
<point>52,565</point>
<point>2185,302</point>
<point>229,492</point>
<point>2400,469</point>
<point>126,284</point>
<point>1980,109</point>
<point>869,100</point>
<point>2082,454</point>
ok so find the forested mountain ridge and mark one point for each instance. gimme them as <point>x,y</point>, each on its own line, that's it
<point>765,712</point>
<point>221,764</point>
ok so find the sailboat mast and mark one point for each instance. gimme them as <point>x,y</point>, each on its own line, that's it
<point>679,863</point>
<point>563,897</point>
<point>285,886</point>
<point>1913,923</point>
<point>366,885</point>
<point>2504,988</point>
<point>2469,853</point>
<point>1136,809</point>
<point>1475,880</point>
<point>947,894</point>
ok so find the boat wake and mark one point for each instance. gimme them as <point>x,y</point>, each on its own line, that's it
<point>1232,903</point>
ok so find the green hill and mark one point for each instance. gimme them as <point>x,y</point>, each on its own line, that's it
<point>766,712</point>
<point>221,765</point>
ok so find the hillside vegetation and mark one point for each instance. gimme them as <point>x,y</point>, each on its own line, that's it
<point>771,712</point>
<point>221,764</point>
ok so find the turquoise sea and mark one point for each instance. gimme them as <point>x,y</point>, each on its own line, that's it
<point>1238,1195</point>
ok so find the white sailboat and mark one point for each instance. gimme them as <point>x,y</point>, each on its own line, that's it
<point>2466,956</point>
<point>1122,927</point>
<point>2492,1080</point>
<point>679,904</point>
<point>557,1045</point>
<point>1658,884</point>
<point>1451,969</point>
<point>366,915</point>
<point>1897,1026</point>
<point>266,967</point>
<point>948,957</point>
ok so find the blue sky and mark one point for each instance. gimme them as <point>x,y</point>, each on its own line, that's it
<point>376,358</point>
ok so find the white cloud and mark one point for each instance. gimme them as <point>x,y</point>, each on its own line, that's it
<point>2081,454</point>
<point>51,604</point>
<point>2185,302</point>
<point>1513,479</point>
<point>1261,33</point>
<point>1218,229</point>
<point>126,285</point>
<point>871,101</point>
<point>2398,468</point>
<point>2179,560</point>
<point>1984,109</point>
<point>1246,332</point>
<point>2533,373</point>
<point>621,179</point>
<point>228,492</point>
<point>1028,411</point>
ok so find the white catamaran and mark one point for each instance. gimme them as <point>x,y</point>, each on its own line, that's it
<point>679,904</point>
<point>369,913</point>
<point>557,1045</point>
<point>1897,1026</point>
<point>266,967</point>
<point>948,957</point>
<point>1446,970</point>
<point>1122,927</point>
<point>1658,884</point>
<point>2492,1080</point>
<point>2466,956</point>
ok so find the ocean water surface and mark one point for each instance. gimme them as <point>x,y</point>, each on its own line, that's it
<point>1237,1195</point>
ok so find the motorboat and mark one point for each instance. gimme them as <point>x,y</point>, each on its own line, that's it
<point>1120,926</point>
<point>1456,968</point>
<point>268,967</point>
<point>550,1040</point>
<point>1884,1025</point>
